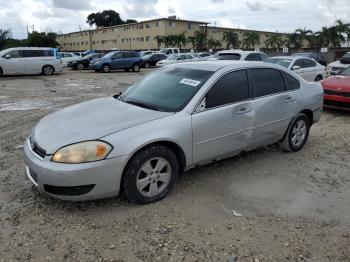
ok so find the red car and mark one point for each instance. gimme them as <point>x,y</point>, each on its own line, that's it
<point>337,91</point>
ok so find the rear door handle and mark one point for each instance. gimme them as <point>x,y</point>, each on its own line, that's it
<point>289,99</point>
<point>244,110</point>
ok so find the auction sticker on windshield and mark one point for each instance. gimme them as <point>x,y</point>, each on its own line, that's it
<point>190,82</point>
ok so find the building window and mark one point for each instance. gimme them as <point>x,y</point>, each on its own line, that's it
<point>189,26</point>
<point>141,26</point>
<point>157,24</point>
<point>87,42</point>
<point>148,25</point>
<point>171,23</point>
<point>147,38</point>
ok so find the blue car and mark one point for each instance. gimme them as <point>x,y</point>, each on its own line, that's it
<point>126,60</point>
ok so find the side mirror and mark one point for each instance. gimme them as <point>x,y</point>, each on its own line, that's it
<point>296,67</point>
<point>7,57</point>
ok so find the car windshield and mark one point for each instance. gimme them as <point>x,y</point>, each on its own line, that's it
<point>163,50</point>
<point>167,89</point>
<point>109,55</point>
<point>279,61</point>
<point>346,56</point>
<point>346,72</point>
<point>89,56</point>
<point>146,56</point>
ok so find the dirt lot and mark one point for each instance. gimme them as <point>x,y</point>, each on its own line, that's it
<point>294,207</point>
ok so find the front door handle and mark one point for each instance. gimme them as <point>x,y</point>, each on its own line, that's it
<point>244,110</point>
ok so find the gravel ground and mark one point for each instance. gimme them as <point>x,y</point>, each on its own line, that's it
<point>264,205</point>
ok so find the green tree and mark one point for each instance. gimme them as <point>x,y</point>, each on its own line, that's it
<point>104,19</point>
<point>42,39</point>
<point>250,40</point>
<point>181,39</point>
<point>323,37</point>
<point>130,21</point>
<point>294,41</point>
<point>159,39</point>
<point>274,41</point>
<point>214,44</point>
<point>200,40</point>
<point>335,37</point>
<point>192,40</point>
<point>304,35</point>
<point>231,39</point>
<point>5,34</point>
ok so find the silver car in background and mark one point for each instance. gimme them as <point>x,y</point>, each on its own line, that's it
<point>174,119</point>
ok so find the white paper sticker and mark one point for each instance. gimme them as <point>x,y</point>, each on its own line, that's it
<point>190,82</point>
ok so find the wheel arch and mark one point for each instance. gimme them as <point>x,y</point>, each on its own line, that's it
<point>1,70</point>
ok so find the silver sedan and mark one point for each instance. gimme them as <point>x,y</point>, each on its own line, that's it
<point>176,118</point>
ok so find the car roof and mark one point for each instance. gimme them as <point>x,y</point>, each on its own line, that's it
<point>237,51</point>
<point>291,57</point>
<point>29,48</point>
<point>219,64</point>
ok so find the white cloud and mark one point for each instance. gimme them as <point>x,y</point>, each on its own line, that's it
<point>68,15</point>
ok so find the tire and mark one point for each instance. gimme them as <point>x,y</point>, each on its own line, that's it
<point>105,68</point>
<point>147,65</point>
<point>143,181</point>
<point>48,70</point>
<point>297,134</point>
<point>126,69</point>
<point>136,67</point>
<point>318,78</point>
<point>1,72</point>
<point>80,67</point>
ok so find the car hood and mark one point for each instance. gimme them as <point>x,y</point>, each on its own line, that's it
<point>89,120</point>
<point>338,83</point>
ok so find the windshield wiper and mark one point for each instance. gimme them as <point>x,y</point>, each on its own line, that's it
<point>144,105</point>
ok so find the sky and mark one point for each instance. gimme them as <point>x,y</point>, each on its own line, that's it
<point>65,16</point>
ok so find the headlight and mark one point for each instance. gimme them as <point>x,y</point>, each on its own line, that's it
<point>83,152</point>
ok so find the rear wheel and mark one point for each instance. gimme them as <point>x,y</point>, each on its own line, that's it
<point>80,66</point>
<point>297,134</point>
<point>106,69</point>
<point>318,78</point>
<point>48,70</point>
<point>150,174</point>
<point>136,68</point>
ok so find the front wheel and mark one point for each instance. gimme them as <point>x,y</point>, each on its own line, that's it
<point>136,68</point>
<point>80,66</point>
<point>48,70</point>
<point>147,65</point>
<point>318,78</point>
<point>106,69</point>
<point>150,174</point>
<point>297,134</point>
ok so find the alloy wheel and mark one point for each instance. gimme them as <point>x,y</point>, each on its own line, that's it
<point>153,177</point>
<point>299,133</point>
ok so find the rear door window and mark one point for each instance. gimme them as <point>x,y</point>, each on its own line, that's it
<point>253,57</point>
<point>15,54</point>
<point>35,53</point>
<point>230,88</point>
<point>267,81</point>
<point>292,83</point>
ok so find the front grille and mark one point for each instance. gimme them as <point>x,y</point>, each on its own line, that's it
<point>337,104</point>
<point>68,191</point>
<point>38,150</point>
<point>336,93</point>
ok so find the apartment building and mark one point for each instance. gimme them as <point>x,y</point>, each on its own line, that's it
<point>141,35</point>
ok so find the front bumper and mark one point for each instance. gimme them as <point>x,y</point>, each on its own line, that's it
<point>336,102</point>
<point>93,180</point>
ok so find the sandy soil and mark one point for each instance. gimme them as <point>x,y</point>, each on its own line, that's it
<point>293,206</point>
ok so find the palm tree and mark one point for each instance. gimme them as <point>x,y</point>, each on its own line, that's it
<point>335,37</point>
<point>304,35</point>
<point>192,40</point>
<point>159,40</point>
<point>294,41</point>
<point>214,44</point>
<point>323,36</point>
<point>343,29</point>
<point>275,41</point>
<point>181,39</point>
<point>251,39</point>
<point>200,40</point>
<point>231,39</point>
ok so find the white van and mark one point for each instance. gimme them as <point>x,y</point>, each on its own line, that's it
<point>169,51</point>
<point>30,60</point>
